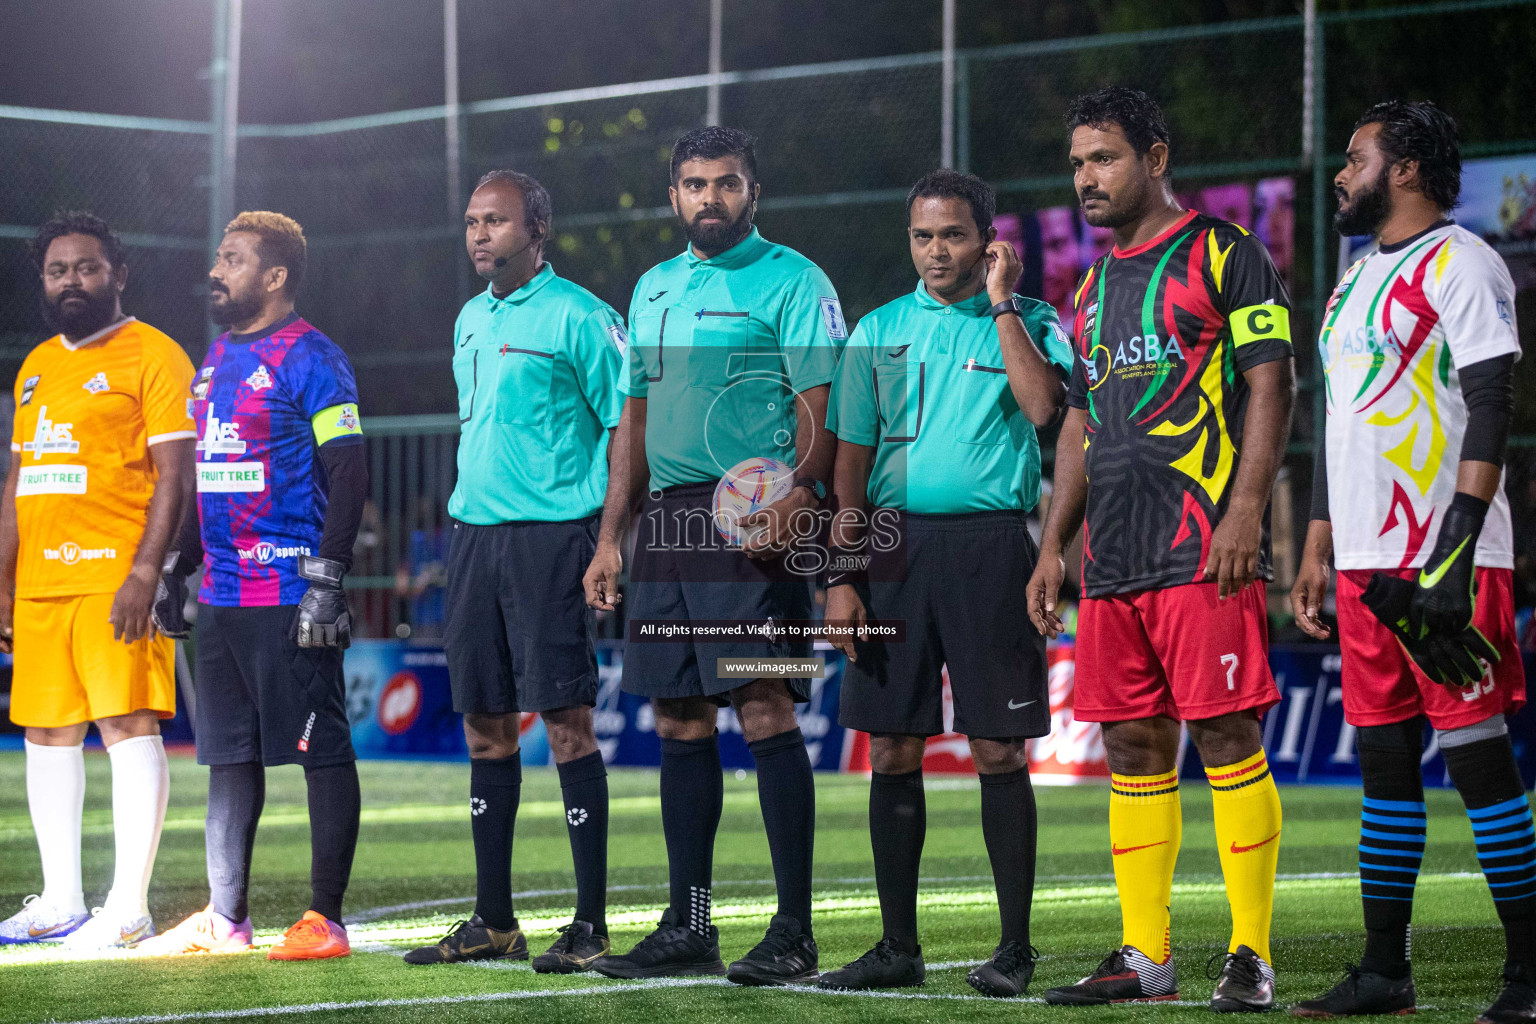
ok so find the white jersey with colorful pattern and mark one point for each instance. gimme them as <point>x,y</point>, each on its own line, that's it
<point>1400,325</point>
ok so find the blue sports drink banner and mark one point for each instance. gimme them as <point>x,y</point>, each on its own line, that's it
<point>399,704</point>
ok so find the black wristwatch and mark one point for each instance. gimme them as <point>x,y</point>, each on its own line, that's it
<point>817,487</point>
<point>1009,305</point>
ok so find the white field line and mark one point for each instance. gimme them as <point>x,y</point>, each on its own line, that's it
<point>617,988</point>
<point>374,1004</point>
<point>382,935</point>
<point>379,913</point>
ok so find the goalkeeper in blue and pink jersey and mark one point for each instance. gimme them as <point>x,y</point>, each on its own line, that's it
<point>281,481</point>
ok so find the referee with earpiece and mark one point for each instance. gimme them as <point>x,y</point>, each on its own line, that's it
<point>537,361</point>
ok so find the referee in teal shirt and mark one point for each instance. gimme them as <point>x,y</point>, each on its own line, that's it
<point>734,344</point>
<point>537,362</point>
<point>935,406</point>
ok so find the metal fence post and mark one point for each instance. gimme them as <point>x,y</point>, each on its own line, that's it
<point>963,114</point>
<point>1322,282</point>
<point>453,128</point>
<point>716,61</point>
<point>947,89</point>
<point>224,79</point>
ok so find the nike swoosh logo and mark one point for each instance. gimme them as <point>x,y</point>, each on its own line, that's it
<point>467,950</point>
<point>1430,579</point>
<point>138,934</point>
<point>1121,850</point>
<point>38,933</point>
<point>1255,846</point>
<point>1014,707</point>
<point>658,295</point>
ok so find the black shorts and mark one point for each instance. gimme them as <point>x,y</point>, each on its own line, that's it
<point>957,583</point>
<point>518,632</point>
<point>262,697</point>
<point>683,571</point>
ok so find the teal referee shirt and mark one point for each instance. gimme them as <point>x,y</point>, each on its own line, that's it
<point>537,373</point>
<point>924,385</point>
<point>720,347</point>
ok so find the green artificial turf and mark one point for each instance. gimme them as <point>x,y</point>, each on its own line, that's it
<point>414,877</point>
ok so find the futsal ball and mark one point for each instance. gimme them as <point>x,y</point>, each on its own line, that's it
<point>746,487</point>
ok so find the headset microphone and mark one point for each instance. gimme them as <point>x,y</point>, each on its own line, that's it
<point>502,261</point>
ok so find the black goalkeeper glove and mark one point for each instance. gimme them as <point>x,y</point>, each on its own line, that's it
<point>169,612</point>
<point>1443,594</point>
<point>324,620</point>
<point>1451,659</point>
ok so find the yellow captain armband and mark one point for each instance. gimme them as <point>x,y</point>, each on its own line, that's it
<point>337,421</point>
<point>1260,323</point>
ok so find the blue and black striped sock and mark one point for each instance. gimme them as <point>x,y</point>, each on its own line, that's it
<point>1489,782</point>
<point>1392,832</point>
<point>1392,836</point>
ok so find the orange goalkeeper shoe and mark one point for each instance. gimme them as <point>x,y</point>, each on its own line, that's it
<point>313,937</point>
<point>205,932</point>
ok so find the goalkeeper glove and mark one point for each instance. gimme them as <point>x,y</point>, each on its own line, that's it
<point>1451,659</point>
<point>1443,592</point>
<point>169,612</point>
<point>324,620</point>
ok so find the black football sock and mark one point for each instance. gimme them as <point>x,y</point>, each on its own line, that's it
<point>1009,825</point>
<point>584,786</point>
<point>1392,833</point>
<point>692,793</point>
<point>236,793</point>
<point>1488,779</point>
<point>495,787</point>
<point>898,824</point>
<point>786,789</point>
<point>335,804</point>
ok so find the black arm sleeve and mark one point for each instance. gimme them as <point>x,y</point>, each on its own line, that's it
<point>189,540</point>
<point>1320,481</point>
<point>1489,390</point>
<point>346,468</point>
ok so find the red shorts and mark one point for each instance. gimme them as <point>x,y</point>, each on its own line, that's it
<point>1179,651</point>
<point>1382,685</point>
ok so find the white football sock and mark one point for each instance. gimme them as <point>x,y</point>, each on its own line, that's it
<point>141,782</point>
<point>56,797</point>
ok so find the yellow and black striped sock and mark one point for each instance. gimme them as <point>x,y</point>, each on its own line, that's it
<point>1145,826</point>
<point>1246,806</point>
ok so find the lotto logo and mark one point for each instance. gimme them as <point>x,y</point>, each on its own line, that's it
<point>304,740</point>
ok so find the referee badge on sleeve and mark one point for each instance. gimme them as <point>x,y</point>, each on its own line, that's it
<point>620,339</point>
<point>832,318</point>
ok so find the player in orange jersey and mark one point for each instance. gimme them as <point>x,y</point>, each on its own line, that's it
<point>101,472</point>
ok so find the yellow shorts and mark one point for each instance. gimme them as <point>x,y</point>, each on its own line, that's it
<point>67,669</point>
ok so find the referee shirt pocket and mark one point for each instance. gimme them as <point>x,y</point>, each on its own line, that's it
<point>466,374</point>
<point>524,380</point>
<point>984,389</point>
<point>718,348</point>
<point>899,393</point>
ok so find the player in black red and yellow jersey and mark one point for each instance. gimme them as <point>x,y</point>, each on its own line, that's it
<point>1179,407</point>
